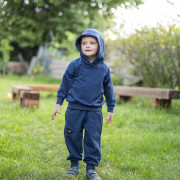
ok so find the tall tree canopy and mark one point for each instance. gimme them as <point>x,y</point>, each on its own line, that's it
<point>27,23</point>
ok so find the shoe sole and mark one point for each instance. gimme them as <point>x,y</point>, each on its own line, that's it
<point>88,178</point>
<point>68,176</point>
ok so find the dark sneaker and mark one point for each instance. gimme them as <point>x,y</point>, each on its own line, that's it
<point>71,172</point>
<point>92,175</point>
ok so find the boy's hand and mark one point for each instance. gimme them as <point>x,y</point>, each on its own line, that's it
<point>56,110</point>
<point>109,118</point>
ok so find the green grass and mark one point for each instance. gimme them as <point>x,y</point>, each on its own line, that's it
<point>141,143</point>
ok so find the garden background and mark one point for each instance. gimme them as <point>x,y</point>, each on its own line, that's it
<point>141,143</point>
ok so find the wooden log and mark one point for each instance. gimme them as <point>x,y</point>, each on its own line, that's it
<point>17,89</point>
<point>29,98</point>
<point>162,103</point>
<point>43,87</point>
<point>29,94</point>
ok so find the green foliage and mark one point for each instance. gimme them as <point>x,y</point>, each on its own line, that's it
<point>117,80</point>
<point>5,49</point>
<point>28,23</point>
<point>68,45</point>
<point>155,55</point>
<point>141,143</point>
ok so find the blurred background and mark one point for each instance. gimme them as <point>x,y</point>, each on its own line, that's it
<point>142,38</point>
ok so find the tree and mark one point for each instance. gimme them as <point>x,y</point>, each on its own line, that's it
<point>5,49</point>
<point>27,23</point>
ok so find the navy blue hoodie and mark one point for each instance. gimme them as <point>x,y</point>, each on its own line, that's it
<point>84,83</point>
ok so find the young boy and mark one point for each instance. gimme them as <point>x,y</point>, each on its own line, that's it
<point>83,85</point>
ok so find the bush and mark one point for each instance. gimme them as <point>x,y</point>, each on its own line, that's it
<point>5,49</point>
<point>155,55</point>
<point>117,80</point>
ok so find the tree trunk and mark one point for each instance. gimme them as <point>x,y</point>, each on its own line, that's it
<point>4,69</point>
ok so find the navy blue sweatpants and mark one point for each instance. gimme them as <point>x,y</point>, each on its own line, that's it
<point>91,123</point>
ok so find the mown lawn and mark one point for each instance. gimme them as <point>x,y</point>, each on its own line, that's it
<point>141,143</point>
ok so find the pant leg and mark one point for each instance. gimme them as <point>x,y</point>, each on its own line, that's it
<point>73,133</point>
<point>92,138</point>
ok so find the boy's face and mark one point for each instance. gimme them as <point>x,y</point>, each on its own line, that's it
<point>89,47</point>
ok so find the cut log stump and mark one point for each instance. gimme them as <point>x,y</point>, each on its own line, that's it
<point>17,89</point>
<point>162,103</point>
<point>29,98</point>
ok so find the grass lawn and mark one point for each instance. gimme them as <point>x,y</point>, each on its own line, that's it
<point>141,143</point>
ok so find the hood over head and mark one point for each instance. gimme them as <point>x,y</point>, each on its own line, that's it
<point>94,33</point>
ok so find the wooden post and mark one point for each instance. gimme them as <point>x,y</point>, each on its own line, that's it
<point>17,89</point>
<point>162,103</point>
<point>29,98</point>
<point>125,98</point>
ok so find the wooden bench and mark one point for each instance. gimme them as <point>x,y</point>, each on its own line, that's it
<point>29,94</point>
<point>26,95</point>
<point>160,97</point>
<point>16,66</point>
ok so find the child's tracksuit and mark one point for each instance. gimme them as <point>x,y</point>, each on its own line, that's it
<point>83,86</point>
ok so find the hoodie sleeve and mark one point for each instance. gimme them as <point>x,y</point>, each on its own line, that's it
<point>66,84</point>
<point>109,92</point>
